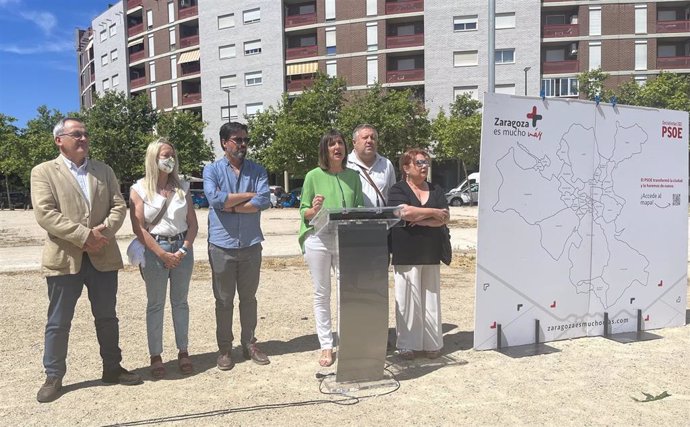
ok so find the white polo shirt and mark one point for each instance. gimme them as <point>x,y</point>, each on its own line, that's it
<point>381,172</point>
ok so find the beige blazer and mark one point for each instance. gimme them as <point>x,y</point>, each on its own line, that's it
<point>62,210</point>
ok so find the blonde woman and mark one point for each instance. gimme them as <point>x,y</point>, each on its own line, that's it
<point>164,220</point>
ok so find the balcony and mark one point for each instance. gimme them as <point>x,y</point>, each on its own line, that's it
<point>404,6</point>
<point>191,98</point>
<point>296,85</point>
<point>136,56</point>
<point>131,4</point>
<point>190,68</point>
<point>135,29</point>
<point>298,20</point>
<point>188,12</point>
<point>135,83</point>
<point>672,26</point>
<point>189,41</point>
<point>672,62</point>
<point>301,52</point>
<point>393,42</point>
<point>559,67</point>
<point>561,30</point>
<point>397,76</point>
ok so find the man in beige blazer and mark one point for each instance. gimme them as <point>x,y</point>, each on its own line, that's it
<point>77,201</point>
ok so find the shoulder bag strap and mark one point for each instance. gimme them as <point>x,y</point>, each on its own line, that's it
<point>162,211</point>
<point>371,182</point>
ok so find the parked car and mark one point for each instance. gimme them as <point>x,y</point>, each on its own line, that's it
<point>467,193</point>
<point>292,199</point>
<point>199,199</point>
<point>277,193</point>
<point>18,200</point>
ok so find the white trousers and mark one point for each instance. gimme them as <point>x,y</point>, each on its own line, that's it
<point>418,307</point>
<point>320,255</point>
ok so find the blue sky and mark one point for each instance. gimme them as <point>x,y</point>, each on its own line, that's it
<point>38,63</point>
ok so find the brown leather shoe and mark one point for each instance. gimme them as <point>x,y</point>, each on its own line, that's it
<point>50,390</point>
<point>121,376</point>
<point>185,363</point>
<point>251,351</point>
<point>225,362</point>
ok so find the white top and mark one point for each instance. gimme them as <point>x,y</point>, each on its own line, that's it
<point>381,172</point>
<point>174,221</point>
<point>80,174</point>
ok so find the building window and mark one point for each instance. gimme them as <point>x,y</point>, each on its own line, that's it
<point>106,84</point>
<point>372,69</point>
<point>330,41</point>
<point>113,55</point>
<point>508,89</point>
<point>251,16</point>
<point>330,10</point>
<point>175,100</point>
<point>116,80</point>
<point>104,35</point>
<point>104,59</point>
<point>113,30</point>
<point>152,49</point>
<point>173,67</point>
<point>567,86</point>
<point>594,55</point>
<point>372,36</point>
<point>465,58</point>
<point>171,12</point>
<point>372,7</point>
<point>252,48</point>
<point>226,21</point>
<point>173,38</point>
<point>253,109</point>
<point>149,19</point>
<point>472,91</point>
<point>154,100</point>
<point>152,71</point>
<point>640,19</point>
<point>253,79</point>
<point>640,55</point>
<point>332,68</point>
<point>555,19</point>
<point>505,20</point>
<point>465,23</point>
<point>228,81</point>
<point>224,112</point>
<point>595,21</point>
<point>504,56</point>
<point>227,51</point>
<point>641,80</point>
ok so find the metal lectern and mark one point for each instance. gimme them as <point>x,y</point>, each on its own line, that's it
<point>362,283</point>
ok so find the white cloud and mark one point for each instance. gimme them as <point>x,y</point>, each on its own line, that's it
<point>46,21</point>
<point>47,47</point>
<point>8,2</point>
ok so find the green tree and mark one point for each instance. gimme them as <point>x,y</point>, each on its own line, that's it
<point>591,84</point>
<point>398,115</point>
<point>37,141</point>
<point>186,131</point>
<point>11,158</point>
<point>667,90</point>
<point>287,136</point>
<point>458,134</point>
<point>121,128</point>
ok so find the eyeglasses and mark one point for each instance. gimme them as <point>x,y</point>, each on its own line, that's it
<point>421,163</point>
<point>239,141</point>
<point>76,134</point>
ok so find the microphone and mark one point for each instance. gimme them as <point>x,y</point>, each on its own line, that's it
<point>342,193</point>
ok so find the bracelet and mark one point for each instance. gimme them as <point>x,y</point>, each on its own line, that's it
<point>183,250</point>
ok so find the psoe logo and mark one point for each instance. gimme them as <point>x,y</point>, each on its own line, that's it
<point>534,116</point>
<point>672,130</point>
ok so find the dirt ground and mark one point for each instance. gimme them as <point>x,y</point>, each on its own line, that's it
<point>589,381</point>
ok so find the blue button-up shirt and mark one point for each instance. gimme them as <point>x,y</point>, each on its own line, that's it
<point>235,230</point>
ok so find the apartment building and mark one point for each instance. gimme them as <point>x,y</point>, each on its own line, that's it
<point>110,50</point>
<point>86,66</point>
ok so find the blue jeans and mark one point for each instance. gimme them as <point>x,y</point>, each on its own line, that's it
<point>156,277</point>
<point>63,293</point>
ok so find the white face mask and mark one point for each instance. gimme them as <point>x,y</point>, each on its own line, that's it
<point>166,165</point>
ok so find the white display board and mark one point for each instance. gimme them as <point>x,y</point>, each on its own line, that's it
<point>583,209</point>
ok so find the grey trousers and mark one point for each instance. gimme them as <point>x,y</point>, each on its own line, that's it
<point>235,270</point>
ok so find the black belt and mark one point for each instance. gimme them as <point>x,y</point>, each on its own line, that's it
<point>169,239</point>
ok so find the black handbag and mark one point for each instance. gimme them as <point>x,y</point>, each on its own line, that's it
<point>446,248</point>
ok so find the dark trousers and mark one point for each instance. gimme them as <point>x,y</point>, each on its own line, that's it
<point>235,270</point>
<point>63,293</point>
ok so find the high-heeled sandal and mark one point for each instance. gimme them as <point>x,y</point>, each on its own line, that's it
<point>185,363</point>
<point>157,368</point>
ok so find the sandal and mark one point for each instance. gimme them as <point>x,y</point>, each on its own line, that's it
<point>185,363</point>
<point>157,368</point>
<point>326,357</point>
<point>406,354</point>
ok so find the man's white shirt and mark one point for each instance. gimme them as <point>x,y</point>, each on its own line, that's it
<point>381,172</point>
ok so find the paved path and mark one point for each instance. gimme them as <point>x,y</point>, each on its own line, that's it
<point>22,238</point>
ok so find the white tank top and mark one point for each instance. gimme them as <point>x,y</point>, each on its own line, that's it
<point>174,221</point>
